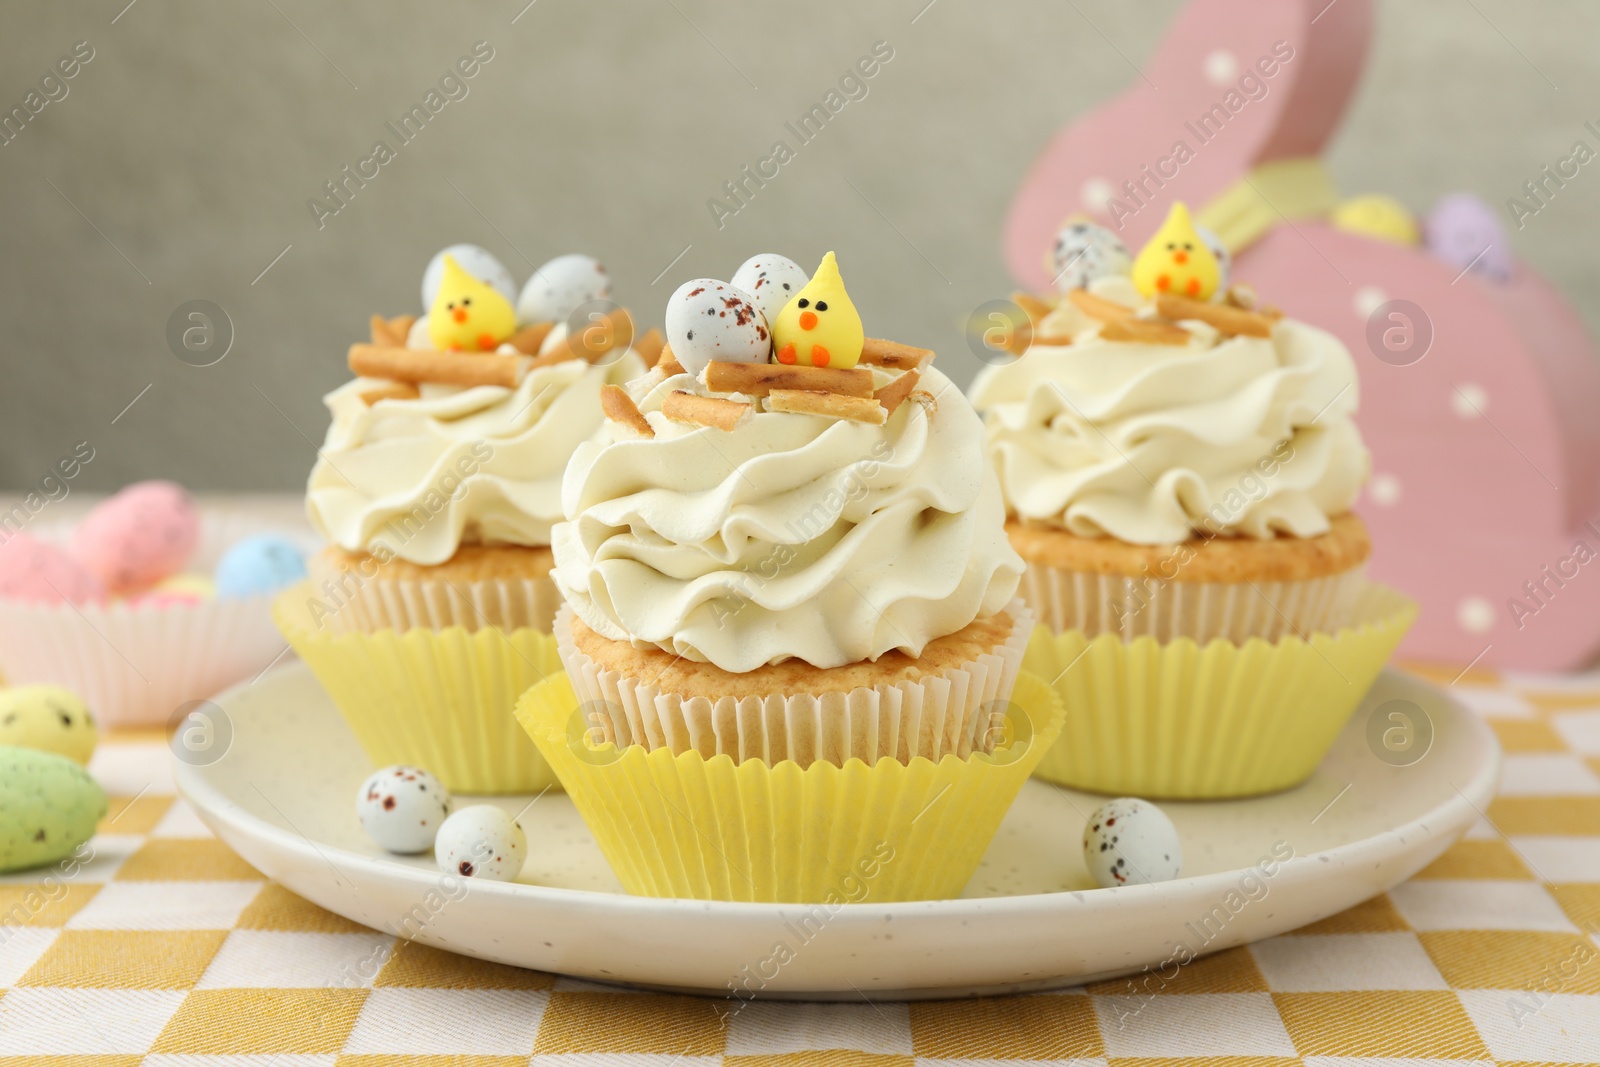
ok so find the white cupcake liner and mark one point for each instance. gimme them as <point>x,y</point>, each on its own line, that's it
<point>136,664</point>
<point>352,603</point>
<point>959,712</point>
<point>1205,611</point>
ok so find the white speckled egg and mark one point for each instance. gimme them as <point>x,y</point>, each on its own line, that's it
<point>560,287</point>
<point>1131,842</point>
<point>709,320</point>
<point>1224,259</point>
<point>772,279</point>
<point>1084,252</point>
<point>477,262</point>
<point>402,808</point>
<point>481,842</point>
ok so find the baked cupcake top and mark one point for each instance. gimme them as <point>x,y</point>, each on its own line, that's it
<point>460,422</point>
<point>1156,403</point>
<point>827,507</point>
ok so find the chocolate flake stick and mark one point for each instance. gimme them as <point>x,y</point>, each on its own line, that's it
<point>668,363</point>
<point>891,395</point>
<point>447,368</point>
<point>1228,320</point>
<point>710,411</point>
<point>619,407</point>
<point>1031,306</point>
<point>893,355</point>
<point>392,391</point>
<point>649,346</point>
<point>833,405</point>
<point>1145,331</point>
<point>530,337</point>
<point>759,379</point>
<point>1098,307</point>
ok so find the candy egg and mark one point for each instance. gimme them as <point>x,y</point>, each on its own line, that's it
<point>402,808</point>
<point>264,563</point>
<point>1223,256</point>
<point>477,262</point>
<point>560,287</point>
<point>47,718</point>
<point>139,536</point>
<point>48,807</point>
<point>40,572</point>
<point>772,279</point>
<point>481,842</point>
<point>1377,216</point>
<point>1131,842</point>
<point>1465,232</point>
<point>1084,252</point>
<point>186,589</point>
<point>709,320</point>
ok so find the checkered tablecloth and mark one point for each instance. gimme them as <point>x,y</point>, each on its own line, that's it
<point>167,949</point>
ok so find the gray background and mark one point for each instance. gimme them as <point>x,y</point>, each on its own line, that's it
<point>184,154</point>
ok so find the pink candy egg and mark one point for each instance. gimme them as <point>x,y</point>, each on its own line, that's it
<point>34,570</point>
<point>138,537</point>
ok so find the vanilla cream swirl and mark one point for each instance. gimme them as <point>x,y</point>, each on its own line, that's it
<point>790,537</point>
<point>458,465</point>
<point>1152,444</point>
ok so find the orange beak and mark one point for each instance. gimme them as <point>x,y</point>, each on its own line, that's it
<point>808,320</point>
<point>1180,258</point>
<point>461,314</point>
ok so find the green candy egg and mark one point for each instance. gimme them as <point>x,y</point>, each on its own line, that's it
<point>48,807</point>
<point>49,718</point>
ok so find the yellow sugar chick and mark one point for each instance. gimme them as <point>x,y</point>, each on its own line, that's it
<point>819,327</point>
<point>1176,260</point>
<point>468,315</point>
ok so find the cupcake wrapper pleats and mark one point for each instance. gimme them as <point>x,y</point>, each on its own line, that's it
<point>137,664</point>
<point>934,716</point>
<point>1183,720</point>
<point>438,699</point>
<point>685,825</point>
<point>1096,604</point>
<point>358,603</point>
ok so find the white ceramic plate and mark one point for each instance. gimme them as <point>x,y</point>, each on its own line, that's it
<point>283,797</point>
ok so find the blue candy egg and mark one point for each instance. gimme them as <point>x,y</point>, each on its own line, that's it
<point>264,563</point>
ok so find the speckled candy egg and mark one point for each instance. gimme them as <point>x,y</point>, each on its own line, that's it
<point>261,564</point>
<point>772,279</point>
<point>179,590</point>
<point>48,807</point>
<point>1465,232</point>
<point>137,537</point>
<point>402,808</point>
<point>477,262</point>
<point>560,287</point>
<point>1223,257</point>
<point>1131,842</point>
<point>1084,252</point>
<point>48,718</point>
<point>709,320</point>
<point>481,842</point>
<point>40,572</point>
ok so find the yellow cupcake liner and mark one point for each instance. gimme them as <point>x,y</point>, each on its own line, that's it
<point>712,829</point>
<point>437,699</point>
<point>1179,720</point>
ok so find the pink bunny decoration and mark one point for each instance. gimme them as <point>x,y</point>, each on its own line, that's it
<point>1478,396</point>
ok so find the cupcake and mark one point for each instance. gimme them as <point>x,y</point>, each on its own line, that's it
<point>122,609</point>
<point>431,607</point>
<point>791,624</point>
<point>1178,467</point>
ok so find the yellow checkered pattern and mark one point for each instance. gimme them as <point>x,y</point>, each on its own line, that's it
<point>167,949</point>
